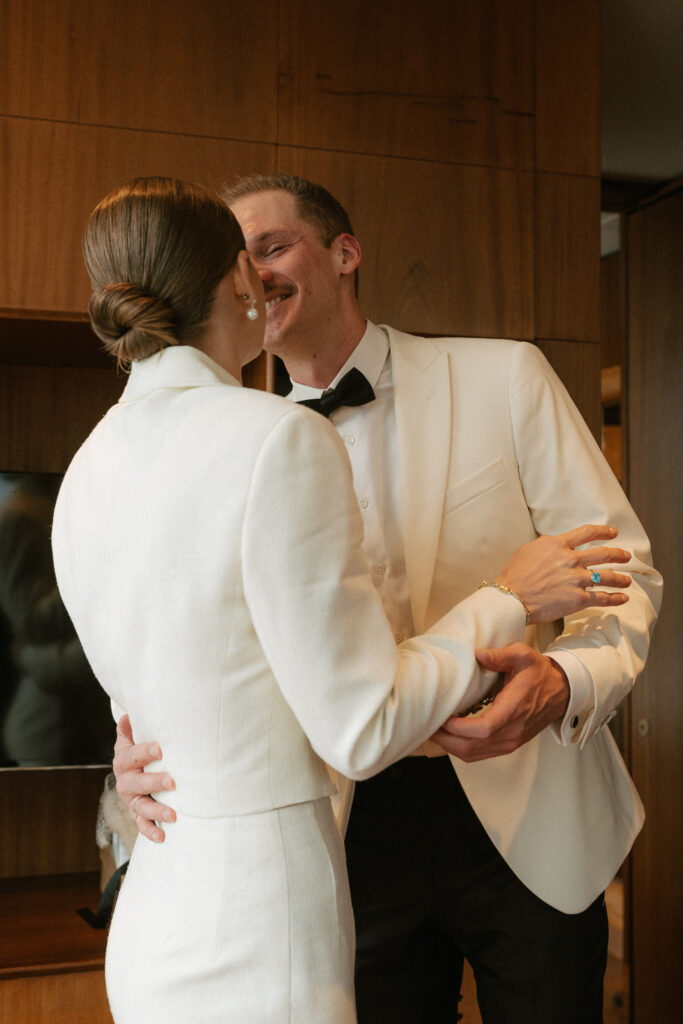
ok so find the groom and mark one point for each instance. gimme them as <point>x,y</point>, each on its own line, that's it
<point>469,448</point>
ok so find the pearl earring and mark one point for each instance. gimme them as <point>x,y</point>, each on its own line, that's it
<point>252,312</point>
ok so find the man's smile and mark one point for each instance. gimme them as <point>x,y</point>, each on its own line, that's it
<point>274,299</point>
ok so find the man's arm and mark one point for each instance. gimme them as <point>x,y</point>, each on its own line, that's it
<point>563,474</point>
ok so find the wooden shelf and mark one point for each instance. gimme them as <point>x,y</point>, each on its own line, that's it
<point>50,339</point>
<point>42,932</point>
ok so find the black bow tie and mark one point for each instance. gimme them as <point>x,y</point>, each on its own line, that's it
<point>352,389</point>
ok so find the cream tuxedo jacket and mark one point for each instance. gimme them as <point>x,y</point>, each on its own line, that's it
<point>207,545</point>
<point>492,453</point>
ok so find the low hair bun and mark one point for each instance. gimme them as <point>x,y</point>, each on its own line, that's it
<point>131,322</point>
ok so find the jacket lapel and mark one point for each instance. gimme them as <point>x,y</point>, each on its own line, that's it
<point>422,397</point>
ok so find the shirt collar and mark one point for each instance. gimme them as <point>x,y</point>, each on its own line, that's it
<point>369,356</point>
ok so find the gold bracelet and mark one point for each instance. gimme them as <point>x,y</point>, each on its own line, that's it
<point>511,592</point>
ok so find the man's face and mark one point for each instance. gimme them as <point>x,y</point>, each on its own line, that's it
<point>300,275</point>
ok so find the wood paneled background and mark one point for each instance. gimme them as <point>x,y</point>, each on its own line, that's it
<point>462,137</point>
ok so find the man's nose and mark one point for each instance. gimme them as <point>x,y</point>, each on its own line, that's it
<point>265,273</point>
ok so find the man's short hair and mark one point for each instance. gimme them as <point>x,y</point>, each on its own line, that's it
<point>313,202</point>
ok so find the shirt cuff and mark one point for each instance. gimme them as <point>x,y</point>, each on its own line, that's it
<point>581,697</point>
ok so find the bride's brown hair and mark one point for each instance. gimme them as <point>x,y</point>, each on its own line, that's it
<point>156,250</point>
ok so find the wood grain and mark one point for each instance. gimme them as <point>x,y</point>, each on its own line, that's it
<point>30,339</point>
<point>567,253</point>
<point>655,428</point>
<point>577,364</point>
<point>78,998</point>
<point>163,65</point>
<point>436,80</point>
<point>447,250</point>
<point>41,266</point>
<point>53,812</point>
<point>47,412</point>
<point>48,935</point>
<point>568,86</point>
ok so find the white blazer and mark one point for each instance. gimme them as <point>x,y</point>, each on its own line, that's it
<point>492,453</point>
<point>207,547</point>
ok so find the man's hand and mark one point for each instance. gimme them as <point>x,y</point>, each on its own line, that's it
<point>134,785</point>
<point>535,693</point>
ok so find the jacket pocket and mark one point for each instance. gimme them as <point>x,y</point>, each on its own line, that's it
<point>470,487</point>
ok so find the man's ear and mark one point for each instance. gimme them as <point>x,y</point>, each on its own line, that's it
<point>348,253</point>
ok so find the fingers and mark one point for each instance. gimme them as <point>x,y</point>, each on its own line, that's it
<point>137,784</point>
<point>601,599</point>
<point>607,578</point>
<point>130,757</point>
<point>502,659</point>
<point>148,828</point>
<point>146,812</point>
<point>602,556</point>
<point>472,744</point>
<point>124,730</point>
<point>587,533</point>
<point>146,807</point>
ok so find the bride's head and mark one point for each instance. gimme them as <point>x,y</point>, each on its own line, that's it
<point>156,251</point>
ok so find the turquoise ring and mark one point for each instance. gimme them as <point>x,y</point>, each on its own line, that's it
<point>595,577</point>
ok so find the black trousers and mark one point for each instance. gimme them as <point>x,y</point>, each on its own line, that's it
<point>428,888</point>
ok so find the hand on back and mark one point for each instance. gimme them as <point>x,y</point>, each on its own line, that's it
<point>135,785</point>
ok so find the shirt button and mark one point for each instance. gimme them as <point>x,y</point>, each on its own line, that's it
<point>380,569</point>
<point>399,638</point>
<point>363,503</point>
<point>350,440</point>
<point>574,721</point>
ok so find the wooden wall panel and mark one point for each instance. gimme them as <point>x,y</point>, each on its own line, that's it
<point>577,364</point>
<point>568,86</point>
<point>47,412</point>
<point>436,80</point>
<point>207,68</point>
<point>447,249</point>
<point>54,174</point>
<point>53,813</point>
<point>58,999</point>
<point>567,257</point>
<point>655,429</point>
<point>27,339</point>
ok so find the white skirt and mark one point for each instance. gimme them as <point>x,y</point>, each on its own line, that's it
<point>240,920</point>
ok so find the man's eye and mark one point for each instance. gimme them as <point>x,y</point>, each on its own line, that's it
<point>273,249</point>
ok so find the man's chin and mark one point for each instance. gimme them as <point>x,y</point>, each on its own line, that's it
<point>273,343</point>
<point>275,337</point>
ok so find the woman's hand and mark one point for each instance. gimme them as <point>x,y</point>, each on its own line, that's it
<point>554,579</point>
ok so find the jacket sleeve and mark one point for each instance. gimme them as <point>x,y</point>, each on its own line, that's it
<point>566,482</point>
<point>362,701</point>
